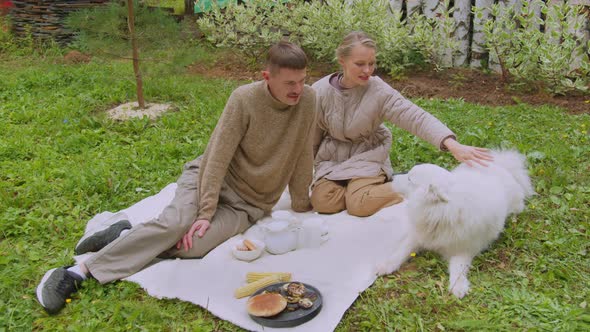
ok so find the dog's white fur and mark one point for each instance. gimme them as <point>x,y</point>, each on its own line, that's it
<point>458,214</point>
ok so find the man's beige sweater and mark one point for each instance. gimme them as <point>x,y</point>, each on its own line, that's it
<point>259,146</point>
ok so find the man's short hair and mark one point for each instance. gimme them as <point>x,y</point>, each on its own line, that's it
<point>285,54</point>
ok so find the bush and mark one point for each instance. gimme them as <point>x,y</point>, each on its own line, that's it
<point>249,28</point>
<point>557,58</point>
<point>434,37</point>
<point>6,38</point>
<point>25,45</point>
<point>326,24</point>
<point>252,27</point>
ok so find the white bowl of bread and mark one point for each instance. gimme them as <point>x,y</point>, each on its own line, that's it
<point>248,249</point>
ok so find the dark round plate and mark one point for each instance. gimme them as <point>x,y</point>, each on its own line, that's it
<point>290,318</point>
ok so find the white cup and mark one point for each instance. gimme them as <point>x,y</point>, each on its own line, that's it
<point>310,235</point>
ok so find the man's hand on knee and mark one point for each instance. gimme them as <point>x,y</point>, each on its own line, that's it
<point>201,225</point>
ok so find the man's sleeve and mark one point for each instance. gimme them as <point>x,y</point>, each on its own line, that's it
<point>317,132</point>
<point>301,179</point>
<point>220,150</point>
<point>303,173</point>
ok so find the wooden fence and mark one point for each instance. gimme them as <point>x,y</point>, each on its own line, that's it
<point>43,19</point>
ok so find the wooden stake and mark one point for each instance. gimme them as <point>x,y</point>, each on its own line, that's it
<point>131,25</point>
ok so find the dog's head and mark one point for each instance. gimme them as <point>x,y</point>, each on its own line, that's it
<point>430,182</point>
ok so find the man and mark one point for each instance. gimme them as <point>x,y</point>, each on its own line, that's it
<point>261,144</point>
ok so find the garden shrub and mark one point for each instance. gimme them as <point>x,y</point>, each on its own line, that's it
<point>25,45</point>
<point>326,24</point>
<point>318,27</point>
<point>557,58</point>
<point>10,45</point>
<point>6,38</point>
<point>248,28</point>
<point>434,36</point>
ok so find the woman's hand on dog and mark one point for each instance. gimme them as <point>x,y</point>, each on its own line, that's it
<point>468,154</point>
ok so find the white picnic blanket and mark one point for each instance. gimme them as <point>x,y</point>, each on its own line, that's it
<point>341,268</point>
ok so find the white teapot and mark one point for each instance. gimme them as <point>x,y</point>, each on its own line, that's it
<point>284,215</point>
<point>280,236</point>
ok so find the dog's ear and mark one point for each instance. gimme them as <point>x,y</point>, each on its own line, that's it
<point>436,194</point>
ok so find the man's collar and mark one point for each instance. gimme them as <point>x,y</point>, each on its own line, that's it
<point>272,101</point>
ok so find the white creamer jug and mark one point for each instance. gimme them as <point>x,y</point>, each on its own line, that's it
<point>280,236</point>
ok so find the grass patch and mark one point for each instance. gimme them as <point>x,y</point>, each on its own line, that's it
<point>62,161</point>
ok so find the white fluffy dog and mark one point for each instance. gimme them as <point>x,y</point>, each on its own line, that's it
<point>458,214</point>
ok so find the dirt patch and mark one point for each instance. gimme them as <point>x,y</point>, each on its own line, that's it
<point>75,57</point>
<point>477,87</point>
<point>473,86</point>
<point>132,110</point>
<point>228,67</point>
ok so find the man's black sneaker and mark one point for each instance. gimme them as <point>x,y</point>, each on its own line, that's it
<point>56,287</point>
<point>101,239</point>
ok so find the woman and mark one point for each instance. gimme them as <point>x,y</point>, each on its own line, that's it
<point>351,143</point>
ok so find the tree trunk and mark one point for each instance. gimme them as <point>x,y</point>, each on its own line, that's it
<point>536,9</point>
<point>413,7</point>
<point>478,49</point>
<point>396,5</point>
<point>580,29</point>
<point>432,7</point>
<point>552,22</point>
<point>131,25</point>
<point>462,16</point>
<point>189,7</point>
<point>515,5</point>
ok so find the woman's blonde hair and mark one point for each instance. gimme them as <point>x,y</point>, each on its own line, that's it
<point>351,40</point>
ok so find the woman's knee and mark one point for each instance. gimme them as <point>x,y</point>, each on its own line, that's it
<point>357,209</point>
<point>369,200</point>
<point>324,207</point>
<point>328,199</point>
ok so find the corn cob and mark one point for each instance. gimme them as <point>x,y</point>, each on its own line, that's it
<point>250,288</point>
<point>253,276</point>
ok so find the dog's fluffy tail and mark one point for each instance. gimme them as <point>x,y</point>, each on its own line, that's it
<point>515,164</point>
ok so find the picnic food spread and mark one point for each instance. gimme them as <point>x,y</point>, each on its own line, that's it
<point>275,300</point>
<point>304,302</point>
<point>293,293</point>
<point>278,302</point>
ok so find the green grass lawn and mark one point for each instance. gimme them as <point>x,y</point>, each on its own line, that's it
<point>62,161</point>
